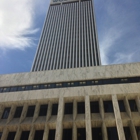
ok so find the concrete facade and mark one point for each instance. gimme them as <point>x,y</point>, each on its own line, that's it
<point>88,120</point>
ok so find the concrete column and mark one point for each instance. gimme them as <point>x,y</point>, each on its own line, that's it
<point>104,132</point>
<point>133,130</point>
<point>37,109</point>
<point>24,112</point>
<point>11,113</point>
<point>138,103</point>
<point>49,111</point>
<point>46,133</point>
<point>101,107</point>
<point>59,127</point>
<point>5,134</point>
<point>1,110</point>
<point>74,132</point>
<point>127,107</point>
<point>32,133</point>
<point>74,109</point>
<point>118,118</point>
<point>88,118</point>
<point>18,134</point>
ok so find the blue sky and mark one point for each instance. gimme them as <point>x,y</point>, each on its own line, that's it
<point>118,25</point>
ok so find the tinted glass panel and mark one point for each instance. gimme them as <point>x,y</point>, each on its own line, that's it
<point>43,86</point>
<point>133,105</point>
<point>81,134</point>
<point>67,134</point>
<point>28,87</point>
<point>108,107</point>
<point>54,109</point>
<point>13,89</point>
<point>1,89</point>
<point>24,135</point>
<point>43,110</point>
<point>68,108</point>
<point>18,112</point>
<point>80,107</point>
<point>94,106</point>
<point>6,113</point>
<point>127,133</point>
<point>121,105</point>
<point>30,111</point>
<point>6,89</point>
<point>11,135</point>
<point>36,87</point>
<point>21,88</point>
<point>51,134</point>
<point>112,133</point>
<point>97,133</point>
<point>38,135</point>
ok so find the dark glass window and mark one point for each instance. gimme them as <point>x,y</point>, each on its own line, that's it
<point>38,134</point>
<point>97,133</point>
<point>81,134</point>
<point>11,135</point>
<point>6,113</point>
<point>0,135</point>
<point>1,89</point>
<point>43,86</point>
<point>25,135</point>
<point>51,134</point>
<point>82,83</point>
<point>108,107</point>
<point>94,106</point>
<point>28,87</point>
<point>18,112</point>
<point>127,133</point>
<point>21,88</point>
<point>133,105</point>
<point>115,81</point>
<point>121,105</point>
<point>67,134</point>
<point>6,89</point>
<point>54,109</point>
<point>80,107</point>
<point>106,81</point>
<point>68,108</point>
<point>30,111</point>
<point>112,133</point>
<point>13,89</point>
<point>36,87</point>
<point>43,110</point>
<point>58,85</point>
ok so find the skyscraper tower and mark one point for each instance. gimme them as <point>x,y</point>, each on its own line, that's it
<point>69,37</point>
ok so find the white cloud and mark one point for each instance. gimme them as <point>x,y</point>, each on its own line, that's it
<point>16,23</point>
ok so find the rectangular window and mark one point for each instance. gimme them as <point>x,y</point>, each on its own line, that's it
<point>6,89</point>
<point>28,87</point>
<point>108,107</point>
<point>121,105</point>
<point>133,106</point>
<point>80,107</point>
<point>59,85</point>
<point>25,135</point>
<point>35,87</point>
<point>6,113</point>
<point>51,134</point>
<point>127,133</point>
<point>54,109</point>
<point>39,135</point>
<point>81,134</point>
<point>67,134</point>
<point>43,110</point>
<point>94,106</point>
<point>30,111</point>
<point>21,88</point>
<point>97,133</point>
<point>18,112</point>
<point>112,133</point>
<point>1,90</point>
<point>68,108</point>
<point>43,86</point>
<point>11,136</point>
<point>0,135</point>
<point>12,89</point>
